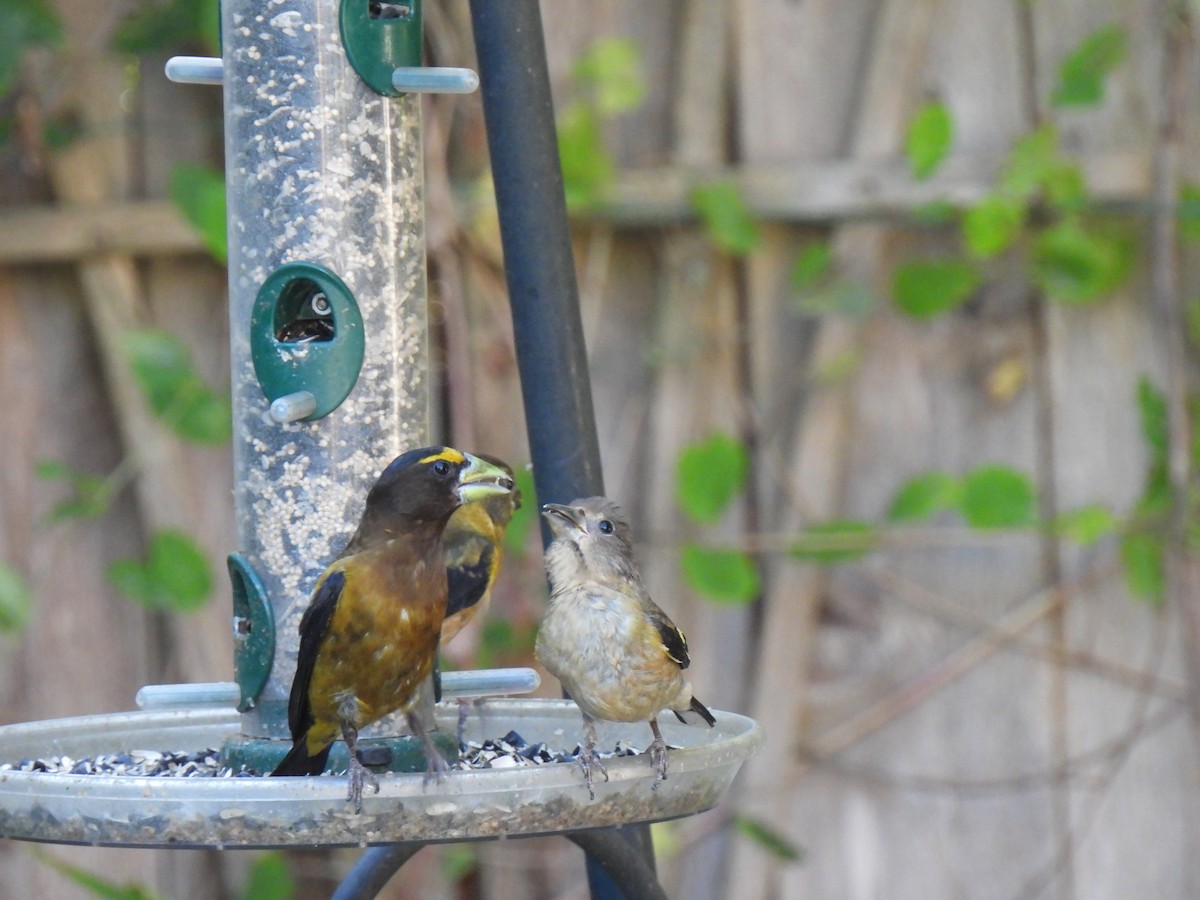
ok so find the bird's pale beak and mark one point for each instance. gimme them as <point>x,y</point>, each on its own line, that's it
<point>481,479</point>
<point>564,521</point>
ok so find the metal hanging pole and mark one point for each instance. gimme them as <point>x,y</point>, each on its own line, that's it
<point>538,261</point>
<point>540,268</point>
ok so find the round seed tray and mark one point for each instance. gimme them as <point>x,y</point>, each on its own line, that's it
<point>122,810</point>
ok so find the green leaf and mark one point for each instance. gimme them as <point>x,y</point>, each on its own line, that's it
<point>611,72</point>
<point>726,218</point>
<point>1189,211</point>
<point>199,192</point>
<point>130,578</point>
<point>837,541</point>
<point>1074,265</point>
<point>175,576</point>
<point>458,862</point>
<point>155,28</point>
<point>934,212</point>
<point>1152,412</point>
<point>924,496</point>
<point>16,600</point>
<point>525,517</point>
<point>812,266</point>
<point>724,576</point>
<point>930,133</point>
<point>269,879</point>
<point>174,391</point>
<point>997,497</point>
<point>91,495</point>
<point>843,298</point>
<point>709,474</point>
<point>1031,161</point>
<point>95,884</point>
<point>179,570</point>
<point>1142,555</point>
<point>24,24</point>
<point>991,225</point>
<point>768,838</point>
<point>587,167</point>
<point>1087,524</point>
<point>926,288</point>
<point>1065,187</point>
<point>1082,74</point>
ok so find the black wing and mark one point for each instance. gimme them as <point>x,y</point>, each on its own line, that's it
<point>313,627</point>
<point>467,582</point>
<point>673,640</point>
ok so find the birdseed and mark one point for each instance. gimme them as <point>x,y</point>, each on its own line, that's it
<point>508,752</point>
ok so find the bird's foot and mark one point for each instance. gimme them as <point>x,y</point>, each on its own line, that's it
<point>436,766</point>
<point>588,759</point>
<point>658,760</point>
<point>359,775</point>
<point>658,755</point>
<point>460,731</point>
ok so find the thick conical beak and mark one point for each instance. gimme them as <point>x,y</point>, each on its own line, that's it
<point>564,521</point>
<point>481,479</point>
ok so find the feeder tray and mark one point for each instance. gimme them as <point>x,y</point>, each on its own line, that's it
<point>247,812</point>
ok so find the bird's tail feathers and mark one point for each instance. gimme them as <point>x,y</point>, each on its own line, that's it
<point>299,762</point>
<point>700,710</point>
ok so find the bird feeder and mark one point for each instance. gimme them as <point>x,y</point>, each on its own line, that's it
<point>330,381</point>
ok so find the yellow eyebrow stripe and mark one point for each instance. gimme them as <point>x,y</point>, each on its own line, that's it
<point>449,454</point>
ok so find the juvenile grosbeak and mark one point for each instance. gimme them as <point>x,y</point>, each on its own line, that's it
<point>618,656</point>
<point>370,634</point>
<point>474,547</point>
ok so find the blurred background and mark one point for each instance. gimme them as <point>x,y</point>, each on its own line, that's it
<point>892,324</point>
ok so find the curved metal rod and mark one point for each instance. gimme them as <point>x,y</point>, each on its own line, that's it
<point>373,870</point>
<point>624,863</point>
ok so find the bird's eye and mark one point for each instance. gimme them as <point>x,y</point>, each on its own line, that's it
<point>441,467</point>
<point>605,526</point>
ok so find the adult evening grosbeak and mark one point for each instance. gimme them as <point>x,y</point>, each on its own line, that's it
<point>616,653</point>
<point>370,634</point>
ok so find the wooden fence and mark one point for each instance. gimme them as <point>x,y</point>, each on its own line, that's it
<point>958,713</point>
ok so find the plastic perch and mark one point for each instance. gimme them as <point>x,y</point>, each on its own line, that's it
<point>293,407</point>
<point>409,79</point>
<point>477,683</point>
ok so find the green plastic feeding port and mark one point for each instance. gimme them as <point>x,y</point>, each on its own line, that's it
<point>380,37</point>
<point>253,631</point>
<point>306,341</point>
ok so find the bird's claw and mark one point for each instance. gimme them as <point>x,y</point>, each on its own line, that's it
<point>358,775</point>
<point>658,760</point>
<point>436,766</point>
<point>587,759</point>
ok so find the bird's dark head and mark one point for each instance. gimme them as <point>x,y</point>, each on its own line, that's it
<point>426,486</point>
<point>597,535</point>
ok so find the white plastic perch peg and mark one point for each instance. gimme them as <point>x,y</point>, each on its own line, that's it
<point>470,683</point>
<point>409,79</point>
<point>195,69</point>
<point>434,80</point>
<point>293,407</point>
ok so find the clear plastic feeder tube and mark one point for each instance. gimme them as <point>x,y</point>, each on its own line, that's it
<point>320,169</point>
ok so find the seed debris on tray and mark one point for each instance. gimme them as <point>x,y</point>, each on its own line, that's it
<point>513,751</point>
<point>204,763</point>
<point>508,752</point>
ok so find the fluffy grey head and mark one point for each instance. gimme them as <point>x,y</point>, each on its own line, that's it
<point>592,541</point>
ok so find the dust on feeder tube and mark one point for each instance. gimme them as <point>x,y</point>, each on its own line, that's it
<point>322,172</point>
